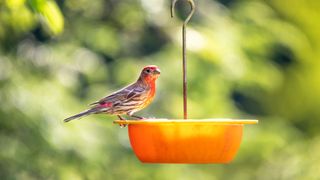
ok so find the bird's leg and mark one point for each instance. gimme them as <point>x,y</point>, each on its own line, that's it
<point>121,118</point>
<point>139,117</point>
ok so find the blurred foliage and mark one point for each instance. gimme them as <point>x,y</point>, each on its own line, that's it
<point>246,59</point>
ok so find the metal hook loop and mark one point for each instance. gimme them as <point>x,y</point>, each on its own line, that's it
<point>192,5</point>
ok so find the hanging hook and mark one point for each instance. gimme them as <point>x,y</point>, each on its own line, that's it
<point>184,56</point>
<point>192,5</point>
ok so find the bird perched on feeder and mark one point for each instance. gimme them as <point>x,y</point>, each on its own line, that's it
<point>127,100</point>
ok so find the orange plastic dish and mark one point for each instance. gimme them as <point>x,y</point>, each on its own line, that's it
<point>185,141</point>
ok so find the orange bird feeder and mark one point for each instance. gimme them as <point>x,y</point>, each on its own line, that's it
<point>187,140</point>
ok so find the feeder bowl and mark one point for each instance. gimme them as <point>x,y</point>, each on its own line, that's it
<point>185,141</point>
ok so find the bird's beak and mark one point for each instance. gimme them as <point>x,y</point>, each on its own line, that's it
<point>157,71</point>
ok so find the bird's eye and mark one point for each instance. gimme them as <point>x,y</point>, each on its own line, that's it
<point>148,71</point>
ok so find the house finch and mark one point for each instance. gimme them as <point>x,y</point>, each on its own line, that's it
<point>128,100</point>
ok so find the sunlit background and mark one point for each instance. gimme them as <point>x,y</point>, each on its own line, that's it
<point>246,59</point>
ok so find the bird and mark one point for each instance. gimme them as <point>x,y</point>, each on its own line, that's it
<point>127,100</point>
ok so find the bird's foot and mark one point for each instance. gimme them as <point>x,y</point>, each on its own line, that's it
<point>122,125</point>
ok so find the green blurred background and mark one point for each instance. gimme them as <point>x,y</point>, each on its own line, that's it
<point>246,59</point>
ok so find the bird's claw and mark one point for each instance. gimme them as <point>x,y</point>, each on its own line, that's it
<point>122,125</point>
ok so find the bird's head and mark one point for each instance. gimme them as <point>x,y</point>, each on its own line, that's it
<point>150,73</point>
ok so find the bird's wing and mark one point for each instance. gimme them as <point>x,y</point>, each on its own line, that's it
<point>123,95</point>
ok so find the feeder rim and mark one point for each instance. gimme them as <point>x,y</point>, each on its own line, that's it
<point>188,121</point>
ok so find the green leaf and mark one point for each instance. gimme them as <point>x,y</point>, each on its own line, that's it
<point>50,15</point>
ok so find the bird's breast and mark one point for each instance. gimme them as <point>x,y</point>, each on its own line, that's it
<point>150,97</point>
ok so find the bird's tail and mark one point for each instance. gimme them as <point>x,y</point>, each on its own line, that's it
<point>84,113</point>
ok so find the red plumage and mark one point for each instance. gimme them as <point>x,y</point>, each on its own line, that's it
<point>128,100</point>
